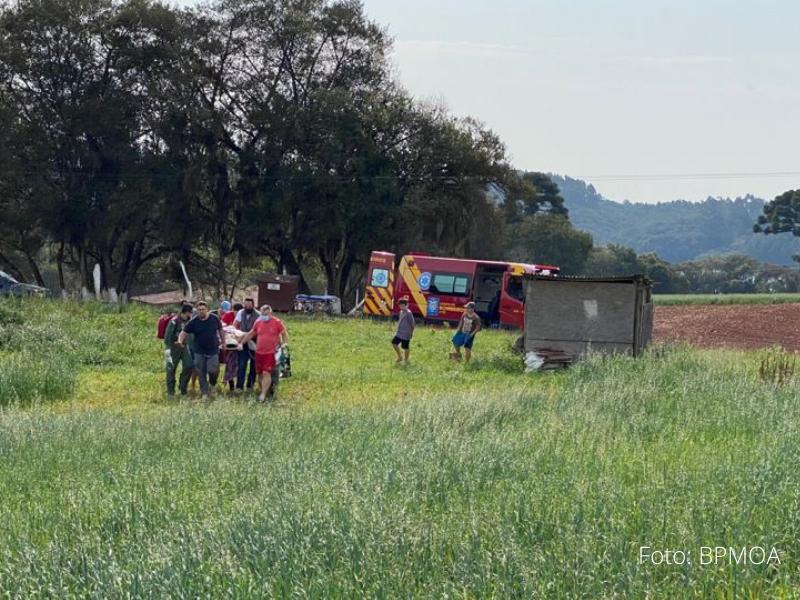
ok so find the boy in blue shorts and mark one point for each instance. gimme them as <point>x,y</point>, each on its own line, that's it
<point>468,326</point>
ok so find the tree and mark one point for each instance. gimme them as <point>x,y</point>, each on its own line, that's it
<point>531,193</point>
<point>75,75</point>
<point>135,134</point>
<point>729,273</point>
<point>612,260</point>
<point>550,239</point>
<point>280,116</point>
<point>781,215</point>
<point>22,236</point>
<point>666,279</point>
<point>444,175</point>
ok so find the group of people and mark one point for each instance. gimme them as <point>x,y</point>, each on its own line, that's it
<point>195,341</point>
<point>468,326</point>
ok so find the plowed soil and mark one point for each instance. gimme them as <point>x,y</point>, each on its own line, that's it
<point>741,326</point>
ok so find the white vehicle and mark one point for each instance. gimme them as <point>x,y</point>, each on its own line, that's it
<point>11,287</point>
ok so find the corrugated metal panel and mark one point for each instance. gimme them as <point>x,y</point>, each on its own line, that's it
<point>578,314</point>
<point>623,279</point>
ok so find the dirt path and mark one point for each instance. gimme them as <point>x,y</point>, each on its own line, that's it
<point>744,326</point>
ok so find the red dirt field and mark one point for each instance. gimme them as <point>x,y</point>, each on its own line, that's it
<point>740,326</point>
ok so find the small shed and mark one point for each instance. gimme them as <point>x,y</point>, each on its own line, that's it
<point>278,291</point>
<point>572,315</point>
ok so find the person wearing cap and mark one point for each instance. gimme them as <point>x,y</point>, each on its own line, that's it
<point>468,326</point>
<point>224,309</point>
<point>405,331</point>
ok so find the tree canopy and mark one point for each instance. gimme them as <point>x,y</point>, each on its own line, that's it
<point>134,134</point>
<point>781,215</point>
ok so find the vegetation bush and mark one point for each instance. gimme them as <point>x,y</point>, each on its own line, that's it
<point>10,313</point>
<point>26,378</point>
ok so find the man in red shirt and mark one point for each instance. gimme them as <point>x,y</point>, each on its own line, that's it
<point>269,332</point>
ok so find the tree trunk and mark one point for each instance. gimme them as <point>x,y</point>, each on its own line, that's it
<point>37,274</point>
<point>222,273</point>
<point>343,276</point>
<point>106,271</point>
<point>85,283</point>
<point>234,283</point>
<point>354,282</point>
<point>338,266</point>
<point>289,262</point>
<point>60,265</point>
<point>330,277</point>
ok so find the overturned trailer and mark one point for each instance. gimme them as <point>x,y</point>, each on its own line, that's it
<point>566,317</point>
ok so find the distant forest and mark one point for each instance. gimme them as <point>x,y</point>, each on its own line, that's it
<point>676,231</point>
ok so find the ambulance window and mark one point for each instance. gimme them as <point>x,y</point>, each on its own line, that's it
<point>380,278</point>
<point>454,285</point>
<point>515,289</point>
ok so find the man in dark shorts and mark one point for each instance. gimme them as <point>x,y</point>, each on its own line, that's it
<point>208,340</point>
<point>405,331</point>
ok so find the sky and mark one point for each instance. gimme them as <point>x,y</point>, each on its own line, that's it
<point>649,100</point>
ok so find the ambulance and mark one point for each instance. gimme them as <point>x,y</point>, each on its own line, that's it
<point>438,288</point>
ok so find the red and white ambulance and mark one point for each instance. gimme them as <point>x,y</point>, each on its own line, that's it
<point>437,288</point>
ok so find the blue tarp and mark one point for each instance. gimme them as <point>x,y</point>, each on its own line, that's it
<point>315,298</point>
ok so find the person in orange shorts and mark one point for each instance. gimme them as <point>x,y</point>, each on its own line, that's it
<point>270,334</point>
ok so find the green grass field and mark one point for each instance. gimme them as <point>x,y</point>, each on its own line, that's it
<point>680,299</point>
<point>367,480</point>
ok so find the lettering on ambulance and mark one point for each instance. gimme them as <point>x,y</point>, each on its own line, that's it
<point>410,273</point>
<point>451,311</point>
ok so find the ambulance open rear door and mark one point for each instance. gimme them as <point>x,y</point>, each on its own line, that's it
<point>379,290</point>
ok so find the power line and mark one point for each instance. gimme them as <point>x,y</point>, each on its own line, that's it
<point>176,174</point>
<point>689,176</point>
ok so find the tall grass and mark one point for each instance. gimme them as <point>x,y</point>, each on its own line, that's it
<point>436,480</point>
<point>45,345</point>
<point>26,378</point>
